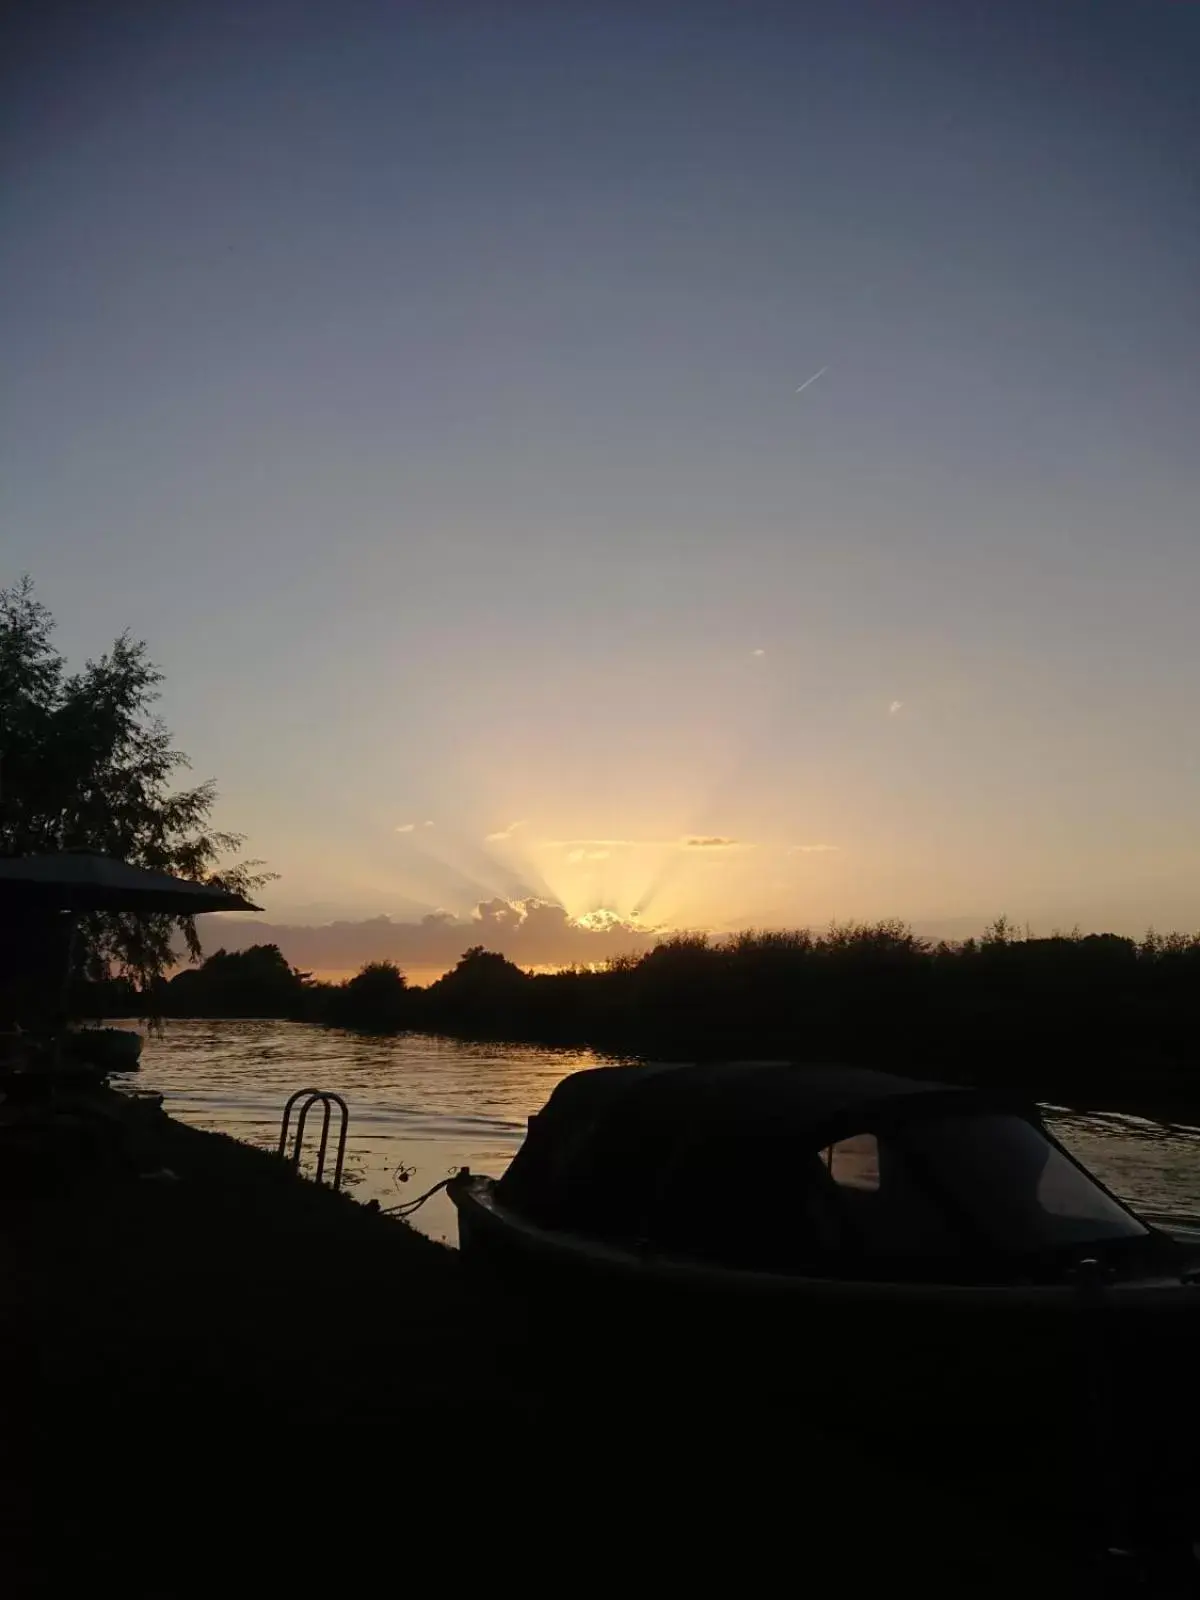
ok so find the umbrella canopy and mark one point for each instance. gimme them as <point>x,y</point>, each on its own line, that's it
<point>76,880</point>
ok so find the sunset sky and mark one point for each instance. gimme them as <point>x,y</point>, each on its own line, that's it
<point>422,382</point>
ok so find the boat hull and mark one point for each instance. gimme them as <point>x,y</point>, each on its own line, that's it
<point>1103,1376</point>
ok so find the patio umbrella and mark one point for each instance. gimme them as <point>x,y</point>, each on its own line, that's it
<point>77,880</point>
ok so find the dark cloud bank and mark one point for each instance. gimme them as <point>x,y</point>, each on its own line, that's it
<point>533,933</point>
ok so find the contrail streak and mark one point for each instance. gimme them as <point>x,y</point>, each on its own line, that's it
<point>813,379</point>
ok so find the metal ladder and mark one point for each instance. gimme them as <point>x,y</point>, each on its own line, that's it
<point>328,1101</point>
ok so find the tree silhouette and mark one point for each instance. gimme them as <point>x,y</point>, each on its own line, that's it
<point>85,764</point>
<point>373,998</point>
<point>256,982</point>
<point>484,989</point>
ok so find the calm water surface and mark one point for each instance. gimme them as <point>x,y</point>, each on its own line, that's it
<point>427,1104</point>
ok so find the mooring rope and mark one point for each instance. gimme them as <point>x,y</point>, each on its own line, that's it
<point>407,1208</point>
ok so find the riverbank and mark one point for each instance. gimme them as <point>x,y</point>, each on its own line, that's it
<point>217,1269</point>
<point>184,1347</point>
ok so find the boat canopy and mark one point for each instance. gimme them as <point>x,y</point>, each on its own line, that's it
<point>820,1169</point>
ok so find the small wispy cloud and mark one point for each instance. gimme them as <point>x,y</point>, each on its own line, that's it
<point>896,705</point>
<point>813,849</point>
<point>591,848</point>
<point>601,844</point>
<point>758,653</point>
<point>577,856</point>
<point>504,833</point>
<point>427,824</point>
<point>406,827</point>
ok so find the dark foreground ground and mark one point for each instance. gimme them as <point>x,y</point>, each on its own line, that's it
<point>227,1367</point>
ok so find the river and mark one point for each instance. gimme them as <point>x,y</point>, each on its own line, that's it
<point>421,1105</point>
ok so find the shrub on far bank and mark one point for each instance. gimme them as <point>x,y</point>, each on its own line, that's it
<point>376,998</point>
<point>256,982</point>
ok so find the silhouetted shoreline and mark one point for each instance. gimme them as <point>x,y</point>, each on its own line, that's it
<point>1091,1021</point>
<point>199,1308</point>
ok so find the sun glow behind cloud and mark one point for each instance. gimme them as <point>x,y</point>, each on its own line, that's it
<point>669,827</point>
<point>667,819</point>
<point>606,881</point>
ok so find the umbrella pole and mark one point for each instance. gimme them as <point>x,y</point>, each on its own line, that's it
<point>64,993</point>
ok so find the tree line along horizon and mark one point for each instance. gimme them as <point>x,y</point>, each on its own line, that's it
<point>1072,1015</point>
<point>85,763</point>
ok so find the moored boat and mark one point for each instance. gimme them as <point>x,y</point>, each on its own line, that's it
<point>105,1049</point>
<point>824,1184</point>
<point>878,1248</point>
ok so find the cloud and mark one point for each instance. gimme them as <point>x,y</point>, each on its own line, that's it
<point>896,705</point>
<point>576,856</point>
<point>600,844</point>
<point>504,833</point>
<point>602,921</point>
<point>813,849</point>
<point>427,824</point>
<point>689,841</point>
<point>759,653</point>
<point>500,913</point>
<point>406,827</point>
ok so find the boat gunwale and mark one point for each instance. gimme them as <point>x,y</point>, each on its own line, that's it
<point>474,1195</point>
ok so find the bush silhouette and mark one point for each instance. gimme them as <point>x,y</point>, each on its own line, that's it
<point>375,998</point>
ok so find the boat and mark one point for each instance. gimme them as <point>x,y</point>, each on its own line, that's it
<point>766,1179</point>
<point>898,1241</point>
<point>105,1049</point>
<point>922,1266</point>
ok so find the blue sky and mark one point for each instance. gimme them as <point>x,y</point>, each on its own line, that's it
<point>421,382</point>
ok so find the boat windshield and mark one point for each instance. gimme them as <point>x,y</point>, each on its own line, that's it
<point>1017,1186</point>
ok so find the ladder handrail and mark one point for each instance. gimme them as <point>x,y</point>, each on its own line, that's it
<point>328,1100</point>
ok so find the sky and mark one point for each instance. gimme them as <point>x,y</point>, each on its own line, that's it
<point>434,388</point>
